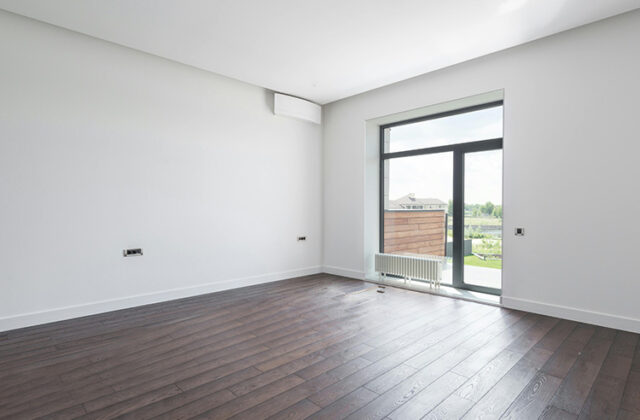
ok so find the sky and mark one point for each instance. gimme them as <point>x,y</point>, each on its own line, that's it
<point>431,176</point>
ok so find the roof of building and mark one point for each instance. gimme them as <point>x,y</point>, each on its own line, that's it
<point>411,199</point>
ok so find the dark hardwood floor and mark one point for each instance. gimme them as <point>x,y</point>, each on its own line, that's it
<point>319,347</point>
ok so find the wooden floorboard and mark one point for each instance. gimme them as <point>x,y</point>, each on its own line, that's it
<point>319,347</point>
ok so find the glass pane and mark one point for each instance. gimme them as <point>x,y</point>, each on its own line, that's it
<point>471,126</point>
<point>418,198</point>
<point>483,219</point>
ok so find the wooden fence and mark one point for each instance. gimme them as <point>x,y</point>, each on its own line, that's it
<point>415,232</point>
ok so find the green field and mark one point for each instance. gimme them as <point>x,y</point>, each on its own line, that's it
<point>483,221</point>
<point>473,260</point>
<point>479,221</point>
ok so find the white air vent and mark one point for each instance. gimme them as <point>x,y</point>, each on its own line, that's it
<point>288,106</point>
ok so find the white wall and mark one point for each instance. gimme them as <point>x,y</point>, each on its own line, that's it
<point>104,148</point>
<point>571,147</point>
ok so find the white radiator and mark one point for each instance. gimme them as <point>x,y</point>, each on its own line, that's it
<point>427,268</point>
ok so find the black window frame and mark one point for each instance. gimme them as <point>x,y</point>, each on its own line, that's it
<point>459,151</point>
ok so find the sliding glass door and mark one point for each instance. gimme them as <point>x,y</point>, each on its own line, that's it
<point>416,216</point>
<point>441,193</point>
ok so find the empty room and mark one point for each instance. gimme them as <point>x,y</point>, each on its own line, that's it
<point>322,209</point>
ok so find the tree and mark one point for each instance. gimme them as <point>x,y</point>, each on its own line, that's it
<point>488,208</point>
<point>450,209</point>
<point>497,212</point>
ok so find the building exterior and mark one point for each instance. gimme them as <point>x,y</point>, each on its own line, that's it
<point>411,202</point>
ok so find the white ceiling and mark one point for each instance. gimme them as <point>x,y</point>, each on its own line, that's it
<point>322,50</point>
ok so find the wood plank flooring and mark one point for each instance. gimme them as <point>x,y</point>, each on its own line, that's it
<point>319,347</point>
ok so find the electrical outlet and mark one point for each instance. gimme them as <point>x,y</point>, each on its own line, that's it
<point>132,252</point>
<point>519,231</point>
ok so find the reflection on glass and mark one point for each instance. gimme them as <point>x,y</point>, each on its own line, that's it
<point>483,219</point>
<point>471,126</point>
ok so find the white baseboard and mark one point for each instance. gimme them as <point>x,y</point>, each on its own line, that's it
<point>344,272</point>
<point>92,308</point>
<point>574,314</point>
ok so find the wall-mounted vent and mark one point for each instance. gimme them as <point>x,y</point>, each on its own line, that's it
<point>289,106</point>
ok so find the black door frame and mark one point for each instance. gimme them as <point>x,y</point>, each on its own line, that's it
<point>459,151</point>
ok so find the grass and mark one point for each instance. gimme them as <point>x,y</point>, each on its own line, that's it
<point>475,261</point>
<point>480,221</point>
<point>483,221</point>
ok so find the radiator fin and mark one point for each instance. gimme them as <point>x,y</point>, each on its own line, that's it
<point>427,268</point>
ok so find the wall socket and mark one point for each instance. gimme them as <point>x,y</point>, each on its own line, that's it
<point>132,252</point>
<point>302,238</point>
